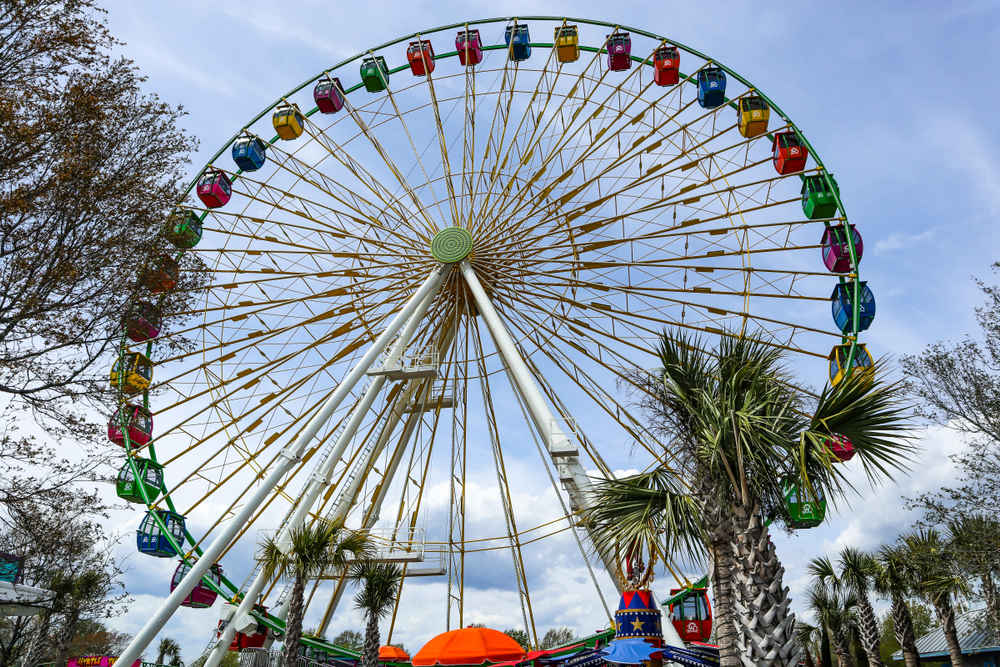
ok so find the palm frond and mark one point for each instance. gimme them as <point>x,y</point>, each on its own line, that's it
<point>650,512</point>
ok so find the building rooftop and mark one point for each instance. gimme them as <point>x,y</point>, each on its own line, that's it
<point>971,638</point>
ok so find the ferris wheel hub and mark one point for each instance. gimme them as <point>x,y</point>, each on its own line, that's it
<point>451,245</point>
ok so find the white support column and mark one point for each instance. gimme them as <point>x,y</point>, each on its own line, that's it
<point>286,459</point>
<point>564,454</point>
<point>376,505</point>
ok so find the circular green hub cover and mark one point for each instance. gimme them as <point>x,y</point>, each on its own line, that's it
<point>451,245</point>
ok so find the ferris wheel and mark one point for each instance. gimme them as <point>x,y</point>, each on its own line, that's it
<point>481,224</point>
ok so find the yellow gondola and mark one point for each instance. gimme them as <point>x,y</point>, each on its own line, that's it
<point>288,121</point>
<point>861,362</point>
<point>754,113</point>
<point>567,44</point>
<point>138,371</point>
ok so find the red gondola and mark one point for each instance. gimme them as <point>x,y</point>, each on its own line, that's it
<point>789,153</point>
<point>666,66</point>
<point>420,55</point>
<point>840,449</point>
<point>161,277</point>
<point>692,616</point>
<point>244,640</point>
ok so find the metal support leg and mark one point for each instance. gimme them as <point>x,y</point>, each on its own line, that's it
<point>563,453</point>
<point>286,459</point>
<point>372,516</point>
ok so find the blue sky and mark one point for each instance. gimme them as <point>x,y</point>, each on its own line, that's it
<point>895,96</point>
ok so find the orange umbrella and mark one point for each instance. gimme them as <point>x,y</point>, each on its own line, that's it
<point>392,654</point>
<point>468,646</point>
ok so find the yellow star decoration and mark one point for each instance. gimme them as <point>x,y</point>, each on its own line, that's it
<point>637,624</point>
<point>659,626</point>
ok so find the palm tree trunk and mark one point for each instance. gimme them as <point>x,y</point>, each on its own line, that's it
<point>946,616</point>
<point>824,647</point>
<point>721,546</point>
<point>765,628</point>
<point>35,650</point>
<point>992,600</point>
<point>67,632</point>
<point>370,658</point>
<point>293,626</point>
<point>809,658</point>
<point>869,630</point>
<point>902,623</point>
<point>842,647</point>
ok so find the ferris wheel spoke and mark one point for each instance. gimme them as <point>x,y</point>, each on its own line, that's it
<point>577,161</point>
<point>562,140</point>
<point>372,184</point>
<point>490,161</point>
<point>357,207</point>
<point>445,163</point>
<point>634,151</point>
<point>686,195</point>
<point>469,147</point>
<point>309,209</point>
<point>503,486</point>
<point>522,140</point>
<point>416,153</point>
<point>497,168</point>
<point>431,226</point>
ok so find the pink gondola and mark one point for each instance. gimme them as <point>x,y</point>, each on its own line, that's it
<point>140,426</point>
<point>202,596</point>
<point>469,47</point>
<point>214,188</point>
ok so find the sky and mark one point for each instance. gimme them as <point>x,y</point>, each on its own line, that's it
<point>894,95</point>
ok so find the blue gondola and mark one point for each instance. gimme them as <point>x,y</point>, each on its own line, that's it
<point>151,540</point>
<point>249,153</point>
<point>842,301</point>
<point>711,87</point>
<point>518,42</point>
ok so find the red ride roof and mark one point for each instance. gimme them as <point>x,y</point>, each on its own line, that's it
<point>468,646</point>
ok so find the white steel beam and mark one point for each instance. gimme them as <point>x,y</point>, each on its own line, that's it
<point>564,454</point>
<point>286,459</point>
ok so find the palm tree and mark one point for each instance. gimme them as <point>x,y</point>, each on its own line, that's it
<point>856,574</point>
<point>61,586</point>
<point>931,565</point>
<point>737,424</point>
<point>168,649</point>
<point>804,636</point>
<point>892,580</point>
<point>84,589</point>
<point>313,550</point>
<point>833,607</point>
<point>379,584</point>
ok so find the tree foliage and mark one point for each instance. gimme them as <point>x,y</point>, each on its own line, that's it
<point>557,637</point>
<point>737,427</point>
<point>93,637</point>
<point>959,387</point>
<point>351,639</point>
<point>311,551</point>
<point>72,557</point>
<point>89,167</point>
<point>520,635</point>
